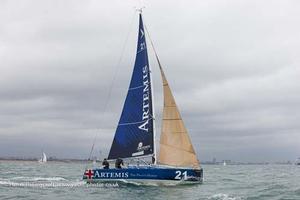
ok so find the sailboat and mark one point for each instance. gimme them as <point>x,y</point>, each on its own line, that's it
<point>135,134</point>
<point>43,158</point>
<point>297,161</point>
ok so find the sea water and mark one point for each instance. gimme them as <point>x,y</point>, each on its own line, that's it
<point>59,180</point>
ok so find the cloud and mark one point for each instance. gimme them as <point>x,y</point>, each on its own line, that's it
<point>233,67</point>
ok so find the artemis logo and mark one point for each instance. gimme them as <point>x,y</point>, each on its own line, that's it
<point>98,174</point>
<point>146,109</point>
<point>140,145</point>
<point>142,148</point>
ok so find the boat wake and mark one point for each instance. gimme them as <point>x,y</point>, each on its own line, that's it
<point>134,183</point>
<point>153,183</point>
<point>25,178</point>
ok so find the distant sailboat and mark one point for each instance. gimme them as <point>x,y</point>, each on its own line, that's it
<point>224,163</point>
<point>43,158</point>
<point>135,134</point>
<point>297,161</point>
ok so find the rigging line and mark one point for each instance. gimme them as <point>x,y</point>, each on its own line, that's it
<point>117,67</point>
<point>152,45</point>
<point>152,93</point>
<point>156,56</point>
<point>136,98</point>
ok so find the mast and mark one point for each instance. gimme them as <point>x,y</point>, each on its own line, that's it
<point>154,123</point>
<point>153,107</point>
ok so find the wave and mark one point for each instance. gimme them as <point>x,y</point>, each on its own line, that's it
<point>134,183</point>
<point>26,178</point>
<point>49,179</point>
<point>297,191</point>
<point>224,197</point>
<point>229,180</point>
<point>155,183</point>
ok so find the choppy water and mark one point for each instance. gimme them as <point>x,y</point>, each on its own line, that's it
<point>56,180</point>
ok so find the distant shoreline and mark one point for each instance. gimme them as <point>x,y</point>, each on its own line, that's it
<point>66,160</point>
<point>49,160</point>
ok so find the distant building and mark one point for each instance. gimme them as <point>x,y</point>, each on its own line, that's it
<point>227,161</point>
<point>214,161</point>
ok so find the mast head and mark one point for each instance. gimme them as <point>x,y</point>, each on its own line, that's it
<point>139,9</point>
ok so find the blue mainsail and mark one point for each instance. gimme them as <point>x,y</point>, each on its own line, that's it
<point>134,134</point>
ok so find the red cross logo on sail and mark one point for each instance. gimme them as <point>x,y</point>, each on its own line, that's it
<point>89,173</point>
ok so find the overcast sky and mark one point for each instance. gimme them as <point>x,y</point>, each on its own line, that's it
<point>233,66</point>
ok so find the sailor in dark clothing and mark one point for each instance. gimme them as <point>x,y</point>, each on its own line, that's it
<point>118,163</point>
<point>153,159</point>
<point>105,164</point>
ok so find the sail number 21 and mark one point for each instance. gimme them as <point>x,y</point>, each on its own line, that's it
<point>179,175</point>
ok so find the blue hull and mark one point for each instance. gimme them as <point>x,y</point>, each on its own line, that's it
<point>152,173</point>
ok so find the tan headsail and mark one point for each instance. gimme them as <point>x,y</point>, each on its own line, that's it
<point>176,148</point>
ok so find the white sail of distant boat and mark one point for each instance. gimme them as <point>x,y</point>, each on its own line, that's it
<point>43,158</point>
<point>224,163</point>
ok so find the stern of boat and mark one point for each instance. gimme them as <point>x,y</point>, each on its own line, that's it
<point>198,176</point>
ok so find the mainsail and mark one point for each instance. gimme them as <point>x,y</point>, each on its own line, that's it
<point>43,158</point>
<point>134,134</point>
<point>176,148</point>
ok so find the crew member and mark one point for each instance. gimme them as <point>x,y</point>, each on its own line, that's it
<point>105,164</point>
<point>118,163</point>
<point>153,158</point>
